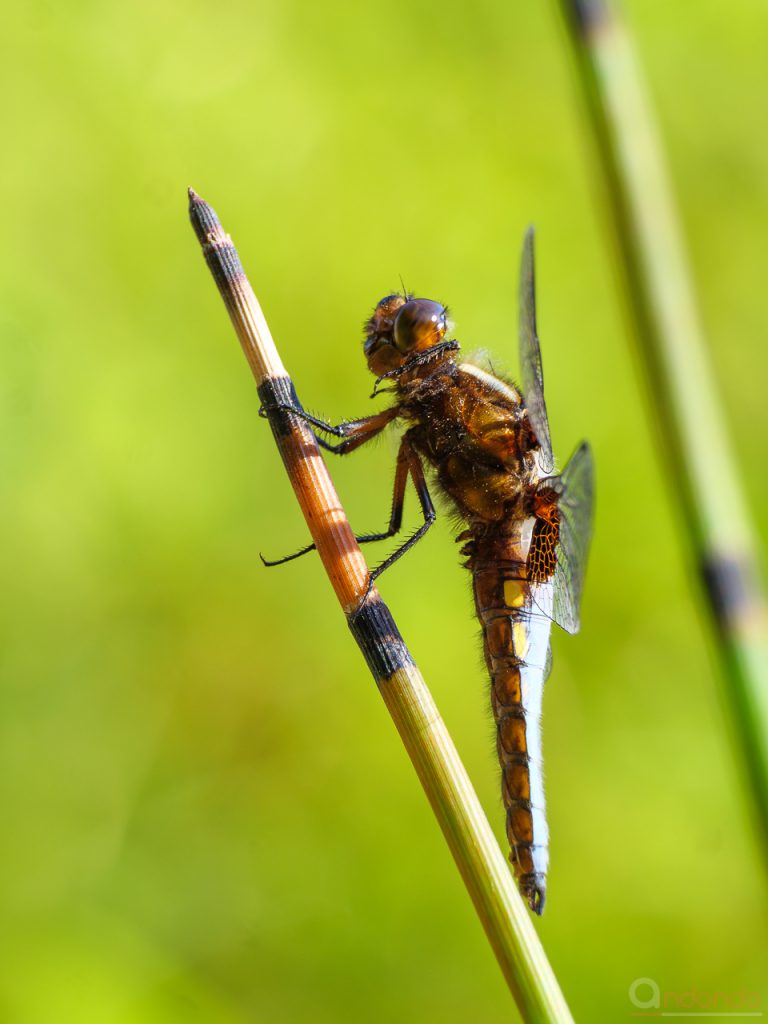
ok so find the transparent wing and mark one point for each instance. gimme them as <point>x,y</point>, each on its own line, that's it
<point>541,600</point>
<point>548,664</point>
<point>576,487</point>
<point>530,357</point>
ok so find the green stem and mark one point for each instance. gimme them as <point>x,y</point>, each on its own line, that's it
<point>663,309</point>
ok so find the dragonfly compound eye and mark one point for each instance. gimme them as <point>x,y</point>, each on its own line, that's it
<point>419,325</point>
<point>379,349</point>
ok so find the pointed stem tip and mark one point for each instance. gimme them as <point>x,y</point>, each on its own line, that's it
<point>203,217</point>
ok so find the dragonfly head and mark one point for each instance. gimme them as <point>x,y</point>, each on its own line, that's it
<point>399,328</point>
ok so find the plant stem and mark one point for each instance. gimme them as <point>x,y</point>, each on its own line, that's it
<point>692,433</point>
<point>446,783</point>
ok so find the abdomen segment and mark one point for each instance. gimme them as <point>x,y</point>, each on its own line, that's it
<point>516,644</point>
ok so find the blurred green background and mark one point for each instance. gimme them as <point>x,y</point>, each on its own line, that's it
<point>207,815</point>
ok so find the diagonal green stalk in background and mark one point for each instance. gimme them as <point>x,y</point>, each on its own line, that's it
<point>663,307</point>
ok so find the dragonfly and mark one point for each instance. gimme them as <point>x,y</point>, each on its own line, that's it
<point>527,528</point>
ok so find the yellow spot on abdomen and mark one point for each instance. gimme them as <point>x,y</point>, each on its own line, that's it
<point>514,595</point>
<point>519,639</point>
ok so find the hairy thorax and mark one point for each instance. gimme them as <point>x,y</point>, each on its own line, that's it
<point>474,431</point>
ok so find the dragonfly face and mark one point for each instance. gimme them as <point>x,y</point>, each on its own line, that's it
<point>527,528</point>
<point>399,327</point>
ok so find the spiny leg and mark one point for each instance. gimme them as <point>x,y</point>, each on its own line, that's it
<point>398,500</point>
<point>364,430</point>
<point>313,421</point>
<point>413,465</point>
<point>356,433</point>
<point>271,562</point>
<point>395,519</point>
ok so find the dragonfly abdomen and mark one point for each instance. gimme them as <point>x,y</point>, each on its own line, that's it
<point>516,645</point>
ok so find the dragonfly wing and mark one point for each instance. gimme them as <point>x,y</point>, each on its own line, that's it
<point>541,599</point>
<point>576,503</point>
<point>548,664</point>
<point>530,357</point>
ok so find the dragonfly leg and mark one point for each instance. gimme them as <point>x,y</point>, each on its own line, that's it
<point>366,538</point>
<point>354,432</point>
<point>313,421</point>
<point>365,433</point>
<point>398,498</point>
<point>407,457</point>
<point>286,558</point>
<point>358,432</point>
